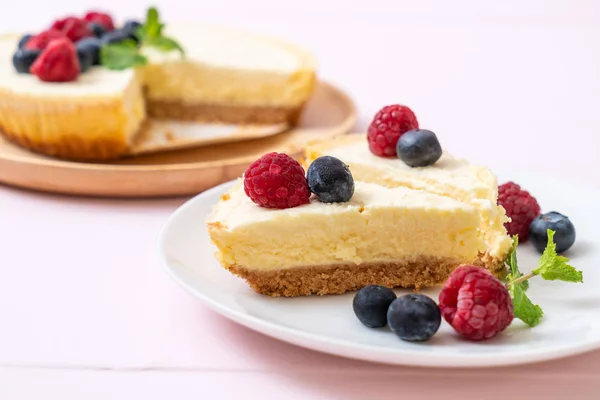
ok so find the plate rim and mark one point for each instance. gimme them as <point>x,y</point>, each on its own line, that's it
<point>326,345</point>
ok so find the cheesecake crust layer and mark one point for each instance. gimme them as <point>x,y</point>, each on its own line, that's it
<point>224,113</point>
<point>337,279</point>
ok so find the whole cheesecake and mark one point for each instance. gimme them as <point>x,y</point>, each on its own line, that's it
<point>226,76</point>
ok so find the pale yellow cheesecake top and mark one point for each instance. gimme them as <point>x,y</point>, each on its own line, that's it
<point>377,224</point>
<point>449,177</point>
<point>220,66</point>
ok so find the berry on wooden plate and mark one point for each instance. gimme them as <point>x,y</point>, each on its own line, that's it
<point>276,180</point>
<point>520,206</point>
<point>23,59</point>
<point>131,26</point>
<point>419,148</point>
<point>41,40</point>
<point>118,36</point>
<point>100,18</point>
<point>74,28</point>
<point>97,29</point>
<point>371,305</point>
<point>414,317</point>
<point>92,46</point>
<point>330,179</point>
<point>387,126</point>
<point>57,63</point>
<point>23,40</point>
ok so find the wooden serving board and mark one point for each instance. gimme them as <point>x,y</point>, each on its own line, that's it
<point>330,112</point>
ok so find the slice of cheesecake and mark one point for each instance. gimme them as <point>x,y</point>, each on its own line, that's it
<point>388,236</point>
<point>449,177</point>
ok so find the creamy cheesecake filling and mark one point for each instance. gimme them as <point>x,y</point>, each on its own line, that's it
<point>230,67</point>
<point>449,177</point>
<point>378,225</point>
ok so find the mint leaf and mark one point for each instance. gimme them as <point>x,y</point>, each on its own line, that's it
<point>122,55</point>
<point>153,27</point>
<point>514,268</point>
<point>150,34</point>
<point>523,308</point>
<point>553,267</point>
<point>164,43</point>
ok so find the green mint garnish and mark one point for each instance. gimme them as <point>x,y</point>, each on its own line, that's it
<point>121,55</point>
<point>127,54</point>
<point>553,267</point>
<point>550,267</point>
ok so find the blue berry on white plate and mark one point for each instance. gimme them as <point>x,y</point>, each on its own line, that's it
<point>371,305</point>
<point>414,317</point>
<point>22,59</point>
<point>564,231</point>
<point>419,148</point>
<point>330,179</point>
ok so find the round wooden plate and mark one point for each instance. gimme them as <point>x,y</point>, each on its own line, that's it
<point>330,112</point>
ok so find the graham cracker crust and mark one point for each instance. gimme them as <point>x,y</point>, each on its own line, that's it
<point>233,114</point>
<point>74,148</point>
<point>338,279</point>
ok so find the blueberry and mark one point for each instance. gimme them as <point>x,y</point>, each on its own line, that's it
<point>564,231</point>
<point>90,45</point>
<point>419,148</point>
<point>414,317</point>
<point>371,305</point>
<point>330,179</point>
<point>22,59</point>
<point>97,29</point>
<point>86,59</point>
<point>118,36</point>
<point>131,26</point>
<point>23,41</point>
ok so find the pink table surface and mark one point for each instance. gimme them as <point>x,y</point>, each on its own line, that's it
<point>87,312</point>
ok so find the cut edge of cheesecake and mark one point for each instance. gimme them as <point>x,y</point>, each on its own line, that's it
<point>341,242</point>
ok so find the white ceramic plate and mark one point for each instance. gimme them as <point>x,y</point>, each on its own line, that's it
<point>571,323</point>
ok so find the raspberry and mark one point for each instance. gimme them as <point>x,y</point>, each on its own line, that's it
<point>520,206</point>
<point>41,40</point>
<point>100,18</point>
<point>57,63</point>
<point>388,125</point>
<point>276,180</point>
<point>74,28</point>
<point>475,303</point>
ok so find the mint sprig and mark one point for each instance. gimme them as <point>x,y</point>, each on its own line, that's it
<point>122,55</point>
<point>127,54</point>
<point>551,267</point>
